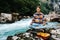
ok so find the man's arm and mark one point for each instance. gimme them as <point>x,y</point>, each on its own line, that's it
<point>45,21</point>
<point>32,21</point>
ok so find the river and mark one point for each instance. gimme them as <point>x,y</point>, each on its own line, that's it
<point>17,27</point>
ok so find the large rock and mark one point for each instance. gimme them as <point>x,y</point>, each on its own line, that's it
<point>55,34</point>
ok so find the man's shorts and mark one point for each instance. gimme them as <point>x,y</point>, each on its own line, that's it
<point>48,25</point>
<point>36,25</point>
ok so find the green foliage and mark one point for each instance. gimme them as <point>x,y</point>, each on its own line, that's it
<point>25,7</point>
<point>45,8</point>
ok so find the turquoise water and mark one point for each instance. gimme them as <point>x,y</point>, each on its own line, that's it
<point>17,27</point>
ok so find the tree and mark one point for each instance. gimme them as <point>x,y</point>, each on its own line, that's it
<point>24,7</point>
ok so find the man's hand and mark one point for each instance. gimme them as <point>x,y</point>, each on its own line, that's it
<point>30,23</point>
<point>44,23</point>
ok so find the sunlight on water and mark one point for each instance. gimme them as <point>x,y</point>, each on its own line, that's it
<point>11,29</point>
<point>19,26</point>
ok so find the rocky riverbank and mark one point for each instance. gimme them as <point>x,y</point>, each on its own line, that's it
<point>27,36</point>
<point>11,18</point>
<point>54,34</point>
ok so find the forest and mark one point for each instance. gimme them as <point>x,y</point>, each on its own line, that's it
<point>23,7</point>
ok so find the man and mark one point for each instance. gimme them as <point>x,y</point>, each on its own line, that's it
<point>38,18</point>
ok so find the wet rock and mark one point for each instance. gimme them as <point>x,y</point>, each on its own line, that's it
<point>14,37</point>
<point>9,38</point>
<point>55,34</point>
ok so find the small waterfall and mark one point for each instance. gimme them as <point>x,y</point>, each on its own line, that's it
<point>19,26</point>
<point>11,29</point>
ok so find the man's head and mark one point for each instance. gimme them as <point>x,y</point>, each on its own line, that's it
<point>38,9</point>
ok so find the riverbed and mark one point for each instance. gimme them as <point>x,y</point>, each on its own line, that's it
<point>19,26</point>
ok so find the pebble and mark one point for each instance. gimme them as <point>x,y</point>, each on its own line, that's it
<point>15,37</point>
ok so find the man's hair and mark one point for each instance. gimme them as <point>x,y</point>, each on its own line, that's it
<point>38,7</point>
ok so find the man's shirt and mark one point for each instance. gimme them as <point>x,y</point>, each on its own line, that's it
<point>38,18</point>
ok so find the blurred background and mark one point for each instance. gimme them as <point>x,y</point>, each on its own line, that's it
<point>14,10</point>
